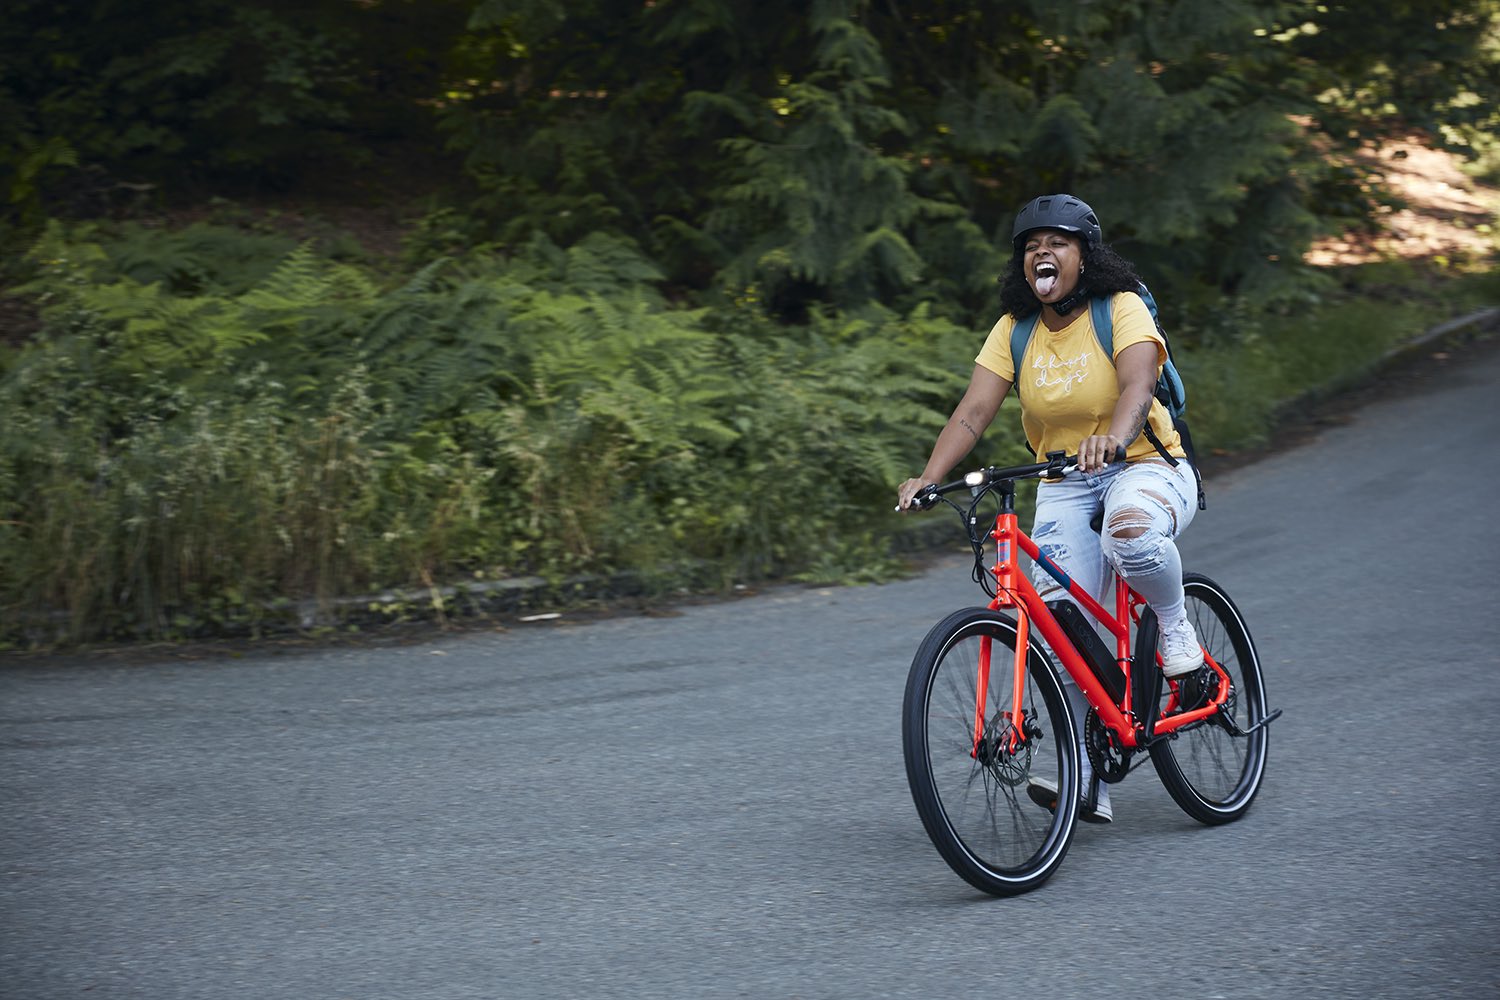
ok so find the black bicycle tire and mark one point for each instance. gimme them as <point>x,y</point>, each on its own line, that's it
<point>1207,808</point>
<point>965,860</point>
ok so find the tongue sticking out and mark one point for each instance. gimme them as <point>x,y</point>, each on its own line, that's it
<point>1044,283</point>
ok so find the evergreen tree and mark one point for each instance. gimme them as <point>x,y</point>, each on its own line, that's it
<point>102,101</point>
<point>818,207</point>
<point>839,152</point>
<point>1431,64</point>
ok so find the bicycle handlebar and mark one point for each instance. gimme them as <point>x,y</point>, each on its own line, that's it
<point>1058,464</point>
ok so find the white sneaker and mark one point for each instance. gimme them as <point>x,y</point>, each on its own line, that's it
<point>1043,792</point>
<point>1180,651</point>
<point>1101,813</point>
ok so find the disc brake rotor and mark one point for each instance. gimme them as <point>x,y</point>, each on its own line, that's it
<point>1005,753</point>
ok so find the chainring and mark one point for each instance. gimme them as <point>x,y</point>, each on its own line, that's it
<point>1110,761</point>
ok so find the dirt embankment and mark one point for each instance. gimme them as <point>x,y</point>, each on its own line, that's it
<point>1442,213</point>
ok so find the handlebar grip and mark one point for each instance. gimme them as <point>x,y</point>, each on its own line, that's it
<point>926,497</point>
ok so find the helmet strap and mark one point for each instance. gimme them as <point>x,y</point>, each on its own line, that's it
<point>1071,301</point>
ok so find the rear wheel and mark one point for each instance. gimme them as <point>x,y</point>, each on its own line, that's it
<point>971,794</point>
<point>1210,772</point>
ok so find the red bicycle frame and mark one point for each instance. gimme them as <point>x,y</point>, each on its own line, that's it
<point>1014,590</point>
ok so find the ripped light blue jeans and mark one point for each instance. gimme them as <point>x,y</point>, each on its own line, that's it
<point>1149,500</point>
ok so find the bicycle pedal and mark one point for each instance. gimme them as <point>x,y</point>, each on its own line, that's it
<point>1043,793</point>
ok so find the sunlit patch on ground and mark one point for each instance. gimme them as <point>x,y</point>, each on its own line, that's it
<point>1447,213</point>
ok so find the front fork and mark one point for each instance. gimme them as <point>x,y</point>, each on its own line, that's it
<point>1015,732</point>
<point>1004,535</point>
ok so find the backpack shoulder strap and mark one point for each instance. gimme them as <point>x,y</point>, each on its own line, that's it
<point>1020,336</point>
<point>1101,311</point>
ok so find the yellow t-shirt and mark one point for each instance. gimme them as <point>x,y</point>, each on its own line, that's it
<point>1068,386</point>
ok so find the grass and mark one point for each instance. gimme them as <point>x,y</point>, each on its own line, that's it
<point>1238,393</point>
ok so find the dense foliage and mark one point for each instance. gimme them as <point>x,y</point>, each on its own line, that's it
<point>693,282</point>
<point>188,439</point>
<point>829,152</point>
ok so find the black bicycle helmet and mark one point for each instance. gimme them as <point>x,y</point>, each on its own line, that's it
<point>1057,211</point>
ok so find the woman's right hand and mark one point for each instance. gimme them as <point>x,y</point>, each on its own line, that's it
<point>907,490</point>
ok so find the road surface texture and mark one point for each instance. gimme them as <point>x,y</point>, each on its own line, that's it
<point>713,804</point>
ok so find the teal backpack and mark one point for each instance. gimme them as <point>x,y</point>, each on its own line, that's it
<point>1170,390</point>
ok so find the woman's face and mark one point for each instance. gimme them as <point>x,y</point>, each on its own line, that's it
<point>1052,262</point>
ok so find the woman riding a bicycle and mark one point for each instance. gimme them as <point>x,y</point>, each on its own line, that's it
<point>1075,397</point>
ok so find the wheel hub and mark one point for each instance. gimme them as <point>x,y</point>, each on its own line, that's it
<point>1005,752</point>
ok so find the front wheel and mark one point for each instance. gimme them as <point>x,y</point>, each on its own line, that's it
<point>969,762</point>
<point>1209,771</point>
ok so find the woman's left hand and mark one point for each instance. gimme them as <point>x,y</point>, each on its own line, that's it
<point>1098,451</point>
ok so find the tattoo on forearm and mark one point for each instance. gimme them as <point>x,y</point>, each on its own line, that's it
<point>1139,421</point>
<point>968,427</point>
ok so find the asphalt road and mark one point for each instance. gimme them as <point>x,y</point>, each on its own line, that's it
<point>712,804</point>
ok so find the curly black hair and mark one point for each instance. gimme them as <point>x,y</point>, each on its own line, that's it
<point>1104,271</point>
